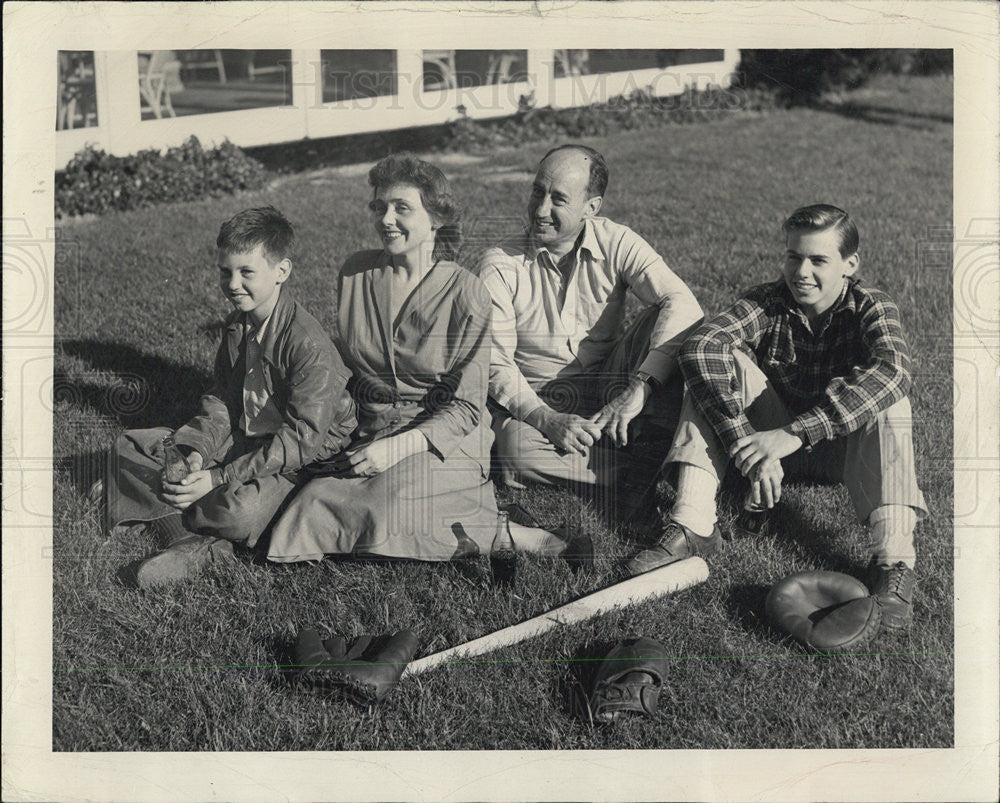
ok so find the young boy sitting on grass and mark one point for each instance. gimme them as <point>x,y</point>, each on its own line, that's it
<point>279,403</point>
<point>807,375</point>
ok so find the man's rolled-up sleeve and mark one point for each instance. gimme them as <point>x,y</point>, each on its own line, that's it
<point>648,276</point>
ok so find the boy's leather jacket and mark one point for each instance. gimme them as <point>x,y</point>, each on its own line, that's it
<point>306,378</point>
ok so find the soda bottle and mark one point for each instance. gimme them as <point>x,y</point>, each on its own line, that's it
<point>175,466</point>
<point>503,558</point>
<point>753,519</point>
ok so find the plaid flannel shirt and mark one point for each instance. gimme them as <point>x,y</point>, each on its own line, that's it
<point>833,380</point>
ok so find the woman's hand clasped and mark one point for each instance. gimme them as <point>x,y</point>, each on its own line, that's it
<point>379,456</point>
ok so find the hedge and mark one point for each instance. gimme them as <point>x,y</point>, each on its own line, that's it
<point>97,182</point>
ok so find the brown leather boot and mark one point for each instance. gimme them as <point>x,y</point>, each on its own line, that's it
<point>186,558</point>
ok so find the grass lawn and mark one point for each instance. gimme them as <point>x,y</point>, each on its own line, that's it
<point>197,667</point>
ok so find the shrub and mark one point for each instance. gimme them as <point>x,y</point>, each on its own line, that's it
<point>804,76</point>
<point>97,182</point>
<point>639,110</point>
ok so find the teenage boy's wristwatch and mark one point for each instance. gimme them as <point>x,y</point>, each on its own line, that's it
<point>799,432</point>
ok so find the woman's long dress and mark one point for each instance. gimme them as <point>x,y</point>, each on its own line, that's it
<point>430,372</point>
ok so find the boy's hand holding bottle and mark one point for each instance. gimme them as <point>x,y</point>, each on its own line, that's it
<point>184,481</point>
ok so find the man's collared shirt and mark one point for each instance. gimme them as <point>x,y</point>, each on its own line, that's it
<point>834,376</point>
<point>545,326</point>
<point>261,415</point>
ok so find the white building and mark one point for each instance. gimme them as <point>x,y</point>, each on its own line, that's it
<point>125,101</point>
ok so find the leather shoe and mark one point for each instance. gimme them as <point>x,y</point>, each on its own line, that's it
<point>186,558</point>
<point>676,543</point>
<point>894,588</point>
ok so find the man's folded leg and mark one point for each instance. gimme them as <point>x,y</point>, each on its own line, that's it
<point>525,456</point>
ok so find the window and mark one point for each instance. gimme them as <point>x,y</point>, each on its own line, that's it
<point>352,74</point>
<point>451,69</point>
<point>590,62</point>
<point>76,100</point>
<point>176,83</point>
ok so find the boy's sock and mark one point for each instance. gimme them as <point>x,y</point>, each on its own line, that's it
<point>695,505</point>
<point>892,534</point>
<point>171,529</point>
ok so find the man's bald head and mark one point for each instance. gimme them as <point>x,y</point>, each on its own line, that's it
<point>592,159</point>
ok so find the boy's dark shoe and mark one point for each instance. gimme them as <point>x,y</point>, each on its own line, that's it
<point>186,558</point>
<point>676,543</point>
<point>894,587</point>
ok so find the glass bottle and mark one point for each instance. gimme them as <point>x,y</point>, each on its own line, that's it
<point>175,466</point>
<point>753,518</point>
<point>503,558</point>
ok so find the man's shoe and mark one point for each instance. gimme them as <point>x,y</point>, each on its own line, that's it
<point>676,543</point>
<point>188,557</point>
<point>894,587</point>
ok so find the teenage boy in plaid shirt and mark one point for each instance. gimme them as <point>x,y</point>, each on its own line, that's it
<point>807,375</point>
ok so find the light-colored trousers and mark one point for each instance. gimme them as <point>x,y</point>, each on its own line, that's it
<point>875,462</point>
<point>525,455</point>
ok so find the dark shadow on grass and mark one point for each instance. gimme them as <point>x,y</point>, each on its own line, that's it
<point>745,605</point>
<point>287,675</point>
<point>311,154</point>
<point>793,528</point>
<point>83,469</point>
<point>128,574</point>
<point>577,676</point>
<point>151,391</point>
<point>885,115</point>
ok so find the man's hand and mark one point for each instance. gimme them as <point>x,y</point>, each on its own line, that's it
<point>765,483</point>
<point>189,490</point>
<point>381,455</point>
<point>618,413</point>
<point>771,444</point>
<point>566,431</point>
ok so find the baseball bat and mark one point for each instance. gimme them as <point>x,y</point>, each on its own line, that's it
<point>657,583</point>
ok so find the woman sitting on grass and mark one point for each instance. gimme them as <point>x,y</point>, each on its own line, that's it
<point>414,328</point>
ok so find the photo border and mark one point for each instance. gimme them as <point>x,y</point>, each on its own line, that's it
<point>32,34</point>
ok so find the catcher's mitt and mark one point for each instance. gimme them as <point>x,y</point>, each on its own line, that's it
<point>627,681</point>
<point>827,611</point>
<point>365,674</point>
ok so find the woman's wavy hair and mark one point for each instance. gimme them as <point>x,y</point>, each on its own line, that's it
<point>435,192</point>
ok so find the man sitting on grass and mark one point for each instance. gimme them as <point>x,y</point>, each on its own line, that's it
<point>279,403</point>
<point>808,374</point>
<point>565,384</point>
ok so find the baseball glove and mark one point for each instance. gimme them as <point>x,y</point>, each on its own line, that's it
<point>828,611</point>
<point>627,681</point>
<point>364,674</point>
